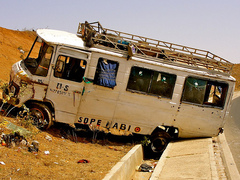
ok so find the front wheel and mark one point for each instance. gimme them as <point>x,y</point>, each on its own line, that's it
<point>40,115</point>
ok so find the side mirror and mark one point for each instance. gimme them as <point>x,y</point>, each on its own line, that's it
<point>39,40</point>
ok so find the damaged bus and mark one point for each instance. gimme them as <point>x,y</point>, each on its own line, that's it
<point>123,84</point>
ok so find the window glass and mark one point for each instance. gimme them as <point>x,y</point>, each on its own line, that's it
<point>139,79</point>
<point>163,84</point>
<point>106,73</point>
<point>39,58</point>
<point>215,94</point>
<point>44,61</point>
<point>70,68</point>
<point>194,90</point>
<point>151,82</point>
<point>204,92</point>
<point>36,49</point>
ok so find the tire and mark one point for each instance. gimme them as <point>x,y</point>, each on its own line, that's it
<point>159,142</point>
<point>40,115</point>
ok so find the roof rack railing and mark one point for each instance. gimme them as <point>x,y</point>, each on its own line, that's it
<point>95,34</point>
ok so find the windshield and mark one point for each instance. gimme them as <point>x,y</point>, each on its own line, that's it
<point>39,58</point>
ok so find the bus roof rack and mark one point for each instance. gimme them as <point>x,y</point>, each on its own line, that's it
<point>93,34</point>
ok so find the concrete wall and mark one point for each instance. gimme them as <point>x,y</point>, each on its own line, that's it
<point>126,167</point>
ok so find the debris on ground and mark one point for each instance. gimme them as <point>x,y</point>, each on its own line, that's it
<point>12,139</point>
<point>17,140</point>
<point>145,168</point>
<point>46,152</point>
<point>53,151</point>
<point>115,149</point>
<point>49,138</point>
<point>83,161</point>
<point>34,147</point>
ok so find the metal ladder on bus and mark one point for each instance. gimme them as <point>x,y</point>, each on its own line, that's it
<point>94,34</point>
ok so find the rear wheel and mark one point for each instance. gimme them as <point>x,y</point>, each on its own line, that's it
<point>40,115</point>
<point>159,142</point>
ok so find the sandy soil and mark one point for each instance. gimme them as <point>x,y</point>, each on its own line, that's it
<point>58,155</point>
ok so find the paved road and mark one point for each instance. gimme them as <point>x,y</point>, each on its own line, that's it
<point>232,130</point>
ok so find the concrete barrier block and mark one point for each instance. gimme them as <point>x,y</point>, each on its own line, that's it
<point>125,168</point>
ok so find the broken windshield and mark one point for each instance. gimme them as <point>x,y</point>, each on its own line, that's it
<point>39,57</point>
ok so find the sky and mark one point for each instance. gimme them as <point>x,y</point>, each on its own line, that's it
<point>212,25</point>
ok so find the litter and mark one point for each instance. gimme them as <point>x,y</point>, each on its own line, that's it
<point>46,152</point>
<point>15,139</point>
<point>23,142</point>
<point>3,143</point>
<point>1,162</point>
<point>49,138</point>
<point>145,168</point>
<point>83,161</point>
<point>34,147</point>
<point>12,140</point>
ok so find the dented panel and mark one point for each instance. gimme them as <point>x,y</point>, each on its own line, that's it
<point>40,91</point>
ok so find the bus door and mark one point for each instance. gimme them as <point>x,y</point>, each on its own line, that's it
<point>99,101</point>
<point>66,85</point>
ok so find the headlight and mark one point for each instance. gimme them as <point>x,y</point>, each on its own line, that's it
<point>13,89</point>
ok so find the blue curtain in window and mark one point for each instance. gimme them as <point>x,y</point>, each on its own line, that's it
<point>107,75</point>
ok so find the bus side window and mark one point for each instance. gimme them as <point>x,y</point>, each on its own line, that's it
<point>139,79</point>
<point>204,92</point>
<point>106,73</point>
<point>163,84</point>
<point>216,93</point>
<point>151,82</point>
<point>194,90</point>
<point>70,68</point>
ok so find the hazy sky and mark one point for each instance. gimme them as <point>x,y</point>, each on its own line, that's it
<point>212,25</point>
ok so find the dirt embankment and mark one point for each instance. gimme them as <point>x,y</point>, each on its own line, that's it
<point>11,42</point>
<point>236,74</point>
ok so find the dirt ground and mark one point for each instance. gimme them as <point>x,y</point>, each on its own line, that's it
<point>57,158</point>
<point>59,155</point>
